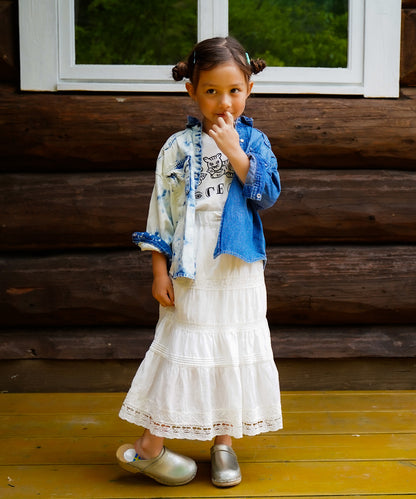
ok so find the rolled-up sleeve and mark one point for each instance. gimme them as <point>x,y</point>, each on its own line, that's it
<point>262,185</point>
<point>159,229</point>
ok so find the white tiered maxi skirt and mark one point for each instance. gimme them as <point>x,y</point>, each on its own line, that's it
<point>210,369</point>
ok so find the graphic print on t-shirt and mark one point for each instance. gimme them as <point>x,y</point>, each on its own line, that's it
<point>215,177</point>
<point>217,167</point>
<point>213,169</point>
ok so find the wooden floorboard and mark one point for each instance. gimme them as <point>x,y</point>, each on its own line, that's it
<point>334,444</point>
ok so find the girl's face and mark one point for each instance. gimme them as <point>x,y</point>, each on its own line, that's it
<point>223,88</point>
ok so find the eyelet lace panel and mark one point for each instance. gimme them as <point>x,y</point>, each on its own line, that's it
<point>196,431</point>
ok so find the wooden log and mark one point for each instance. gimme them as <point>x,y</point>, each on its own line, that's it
<point>289,342</point>
<point>319,285</point>
<point>78,289</point>
<point>331,342</point>
<point>408,4</point>
<point>8,41</point>
<point>76,376</point>
<point>342,285</point>
<point>56,211</point>
<point>408,52</point>
<point>51,211</point>
<point>345,206</point>
<point>68,132</point>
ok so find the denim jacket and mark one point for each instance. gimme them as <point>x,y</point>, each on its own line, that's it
<point>171,219</point>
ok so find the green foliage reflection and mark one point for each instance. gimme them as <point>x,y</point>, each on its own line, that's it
<point>305,33</point>
<point>134,31</point>
<point>293,33</point>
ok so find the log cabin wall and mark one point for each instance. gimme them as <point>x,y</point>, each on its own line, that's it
<point>76,175</point>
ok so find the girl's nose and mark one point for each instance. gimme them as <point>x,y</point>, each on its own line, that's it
<point>225,102</point>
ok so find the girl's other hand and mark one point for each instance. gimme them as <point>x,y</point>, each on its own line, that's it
<point>162,290</point>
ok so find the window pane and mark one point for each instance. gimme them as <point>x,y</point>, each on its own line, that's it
<point>134,32</point>
<point>293,33</point>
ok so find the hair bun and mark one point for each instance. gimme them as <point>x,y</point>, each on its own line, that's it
<point>180,71</point>
<point>257,65</point>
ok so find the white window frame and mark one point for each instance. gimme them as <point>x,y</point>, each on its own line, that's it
<point>47,55</point>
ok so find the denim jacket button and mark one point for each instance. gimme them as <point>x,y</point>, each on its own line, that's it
<point>258,196</point>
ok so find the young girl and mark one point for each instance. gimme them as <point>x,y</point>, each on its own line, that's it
<point>209,373</point>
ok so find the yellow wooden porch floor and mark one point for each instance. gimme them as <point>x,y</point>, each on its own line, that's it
<point>348,444</point>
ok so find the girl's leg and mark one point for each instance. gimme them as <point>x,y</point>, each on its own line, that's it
<point>223,440</point>
<point>148,445</point>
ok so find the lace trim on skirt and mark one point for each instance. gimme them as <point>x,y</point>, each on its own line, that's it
<point>272,421</point>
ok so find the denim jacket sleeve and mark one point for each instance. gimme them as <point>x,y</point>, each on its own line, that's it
<point>262,184</point>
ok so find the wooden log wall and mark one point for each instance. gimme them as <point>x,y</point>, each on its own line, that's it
<point>76,174</point>
<point>408,43</point>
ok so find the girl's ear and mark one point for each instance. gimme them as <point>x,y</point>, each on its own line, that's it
<point>190,89</point>
<point>250,87</point>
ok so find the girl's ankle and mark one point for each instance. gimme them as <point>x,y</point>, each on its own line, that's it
<point>146,450</point>
<point>223,440</point>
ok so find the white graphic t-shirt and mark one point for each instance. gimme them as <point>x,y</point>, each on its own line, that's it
<point>215,179</point>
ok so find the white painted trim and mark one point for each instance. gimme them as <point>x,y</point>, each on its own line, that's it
<point>382,48</point>
<point>38,28</point>
<point>212,18</point>
<point>178,87</point>
<point>66,36</point>
<point>46,37</point>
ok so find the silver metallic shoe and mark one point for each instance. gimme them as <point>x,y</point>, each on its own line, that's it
<point>225,471</point>
<point>168,468</point>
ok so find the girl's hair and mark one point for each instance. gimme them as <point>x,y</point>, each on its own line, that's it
<point>212,52</point>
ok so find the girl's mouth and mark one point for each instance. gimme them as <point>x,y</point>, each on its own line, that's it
<point>222,115</point>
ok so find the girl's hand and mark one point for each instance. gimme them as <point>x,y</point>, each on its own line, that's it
<point>225,135</point>
<point>227,139</point>
<point>162,290</point>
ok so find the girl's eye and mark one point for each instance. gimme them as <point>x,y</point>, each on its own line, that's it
<point>235,90</point>
<point>211,91</point>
